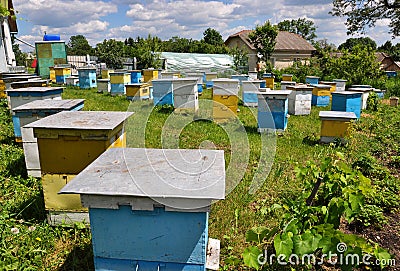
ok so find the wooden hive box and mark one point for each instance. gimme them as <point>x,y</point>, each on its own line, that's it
<point>87,77</point>
<point>273,110</point>
<point>20,96</point>
<point>335,125</point>
<point>68,142</point>
<point>285,84</point>
<point>225,99</point>
<point>300,100</point>
<point>365,90</point>
<point>249,92</point>
<point>149,207</point>
<point>321,95</point>
<point>340,84</point>
<point>149,75</point>
<point>312,80</point>
<point>138,91</point>
<point>347,101</point>
<point>287,77</point>
<point>61,74</point>
<point>31,112</point>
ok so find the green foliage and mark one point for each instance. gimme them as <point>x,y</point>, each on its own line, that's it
<point>301,26</point>
<point>79,46</point>
<point>310,224</point>
<point>300,70</point>
<point>362,15</point>
<point>372,101</point>
<point>392,86</point>
<point>240,59</point>
<point>350,43</point>
<point>213,37</point>
<point>148,52</point>
<point>356,66</point>
<point>4,11</point>
<point>390,49</point>
<point>264,39</point>
<point>110,52</point>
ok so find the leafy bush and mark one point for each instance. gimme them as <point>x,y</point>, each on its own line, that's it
<point>372,101</point>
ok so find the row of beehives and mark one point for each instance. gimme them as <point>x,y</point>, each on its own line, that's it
<point>60,142</point>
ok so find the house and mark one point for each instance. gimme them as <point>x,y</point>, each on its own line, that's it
<point>387,62</point>
<point>9,27</point>
<point>290,47</point>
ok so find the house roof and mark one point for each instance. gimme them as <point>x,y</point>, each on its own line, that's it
<point>285,41</point>
<point>381,56</point>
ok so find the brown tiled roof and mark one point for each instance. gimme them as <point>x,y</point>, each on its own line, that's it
<point>381,56</point>
<point>285,41</point>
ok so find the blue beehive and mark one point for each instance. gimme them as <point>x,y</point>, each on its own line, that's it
<point>250,90</point>
<point>347,101</point>
<point>149,208</point>
<point>312,80</point>
<point>391,74</point>
<point>87,77</point>
<point>163,92</point>
<point>240,77</point>
<point>136,76</point>
<point>321,95</point>
<point>273,110</point>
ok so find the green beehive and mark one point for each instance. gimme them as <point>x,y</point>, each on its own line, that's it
<point>49,54</point>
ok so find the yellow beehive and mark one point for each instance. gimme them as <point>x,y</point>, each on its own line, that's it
<point>335,125</point>
<point>331,84</point>
<point>287,77</point>
<point>321,90</point>
<point>224,107</point>
<point>120,78</point>
<point>52,74</point>
<point>62,71</point>
<point>269,82</point>
<point>68,142</point>
<point>149,74</point>
<point>105,74</point>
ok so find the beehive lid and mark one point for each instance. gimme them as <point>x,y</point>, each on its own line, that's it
<point>86,68</point>
<point>274,92</point>
<point>20,78</point>
<point>253,81</point>
<point>359,89</point>
<point>155,173</point>
<point>285,74</point>
<point>118,72</point>
<point>288,82</point>
<point>339,80</point>
<point>321,86</point>
<point>300,87</point>
<point>327,82</point>
<point>337,115</point>
<point>310,76</point>
<point>346,93</point>
<point>82,120</point>
<point>102,80</point>
<point>43,105</point>
<point>361,86</point>
<point>49,41</point>
<point>186,79</point>
<point>225,80</point>
<point>34,90</point>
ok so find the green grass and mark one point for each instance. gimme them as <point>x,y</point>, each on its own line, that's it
<point>69,248</point>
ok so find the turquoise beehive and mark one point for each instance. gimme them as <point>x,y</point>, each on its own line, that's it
<point>149,208</point>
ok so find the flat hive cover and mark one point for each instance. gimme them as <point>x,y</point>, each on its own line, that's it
<point>35,89</point>
<point>223,80</point>
<point>300,87</point>
<point>321,86</point>
<point>274,92</point>
<point>156,173</point>
<point>346,93</point>
<point>337,115</point>
<point>82,120</point>
<point>360,89</point>
<point>41,105</point>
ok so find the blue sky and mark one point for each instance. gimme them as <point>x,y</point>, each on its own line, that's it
<point>120,19</point>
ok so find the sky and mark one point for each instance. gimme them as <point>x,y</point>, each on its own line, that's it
<point>120,19</point>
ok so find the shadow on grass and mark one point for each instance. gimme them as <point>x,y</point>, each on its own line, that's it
<point>79,259</point>
<point>33,209</point>
<point>311,140</point>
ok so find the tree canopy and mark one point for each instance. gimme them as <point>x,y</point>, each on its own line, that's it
<point>213,37</point>
<point>362,14</point>
<point>350,43</point>
<point>264,39</point>
<point>301,26</point>
<point>111,52</point>
<point>79,46</point>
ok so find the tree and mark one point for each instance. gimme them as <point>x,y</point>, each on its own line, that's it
<point>323,46</point>
<point>263,39</point>
<point>352,42</point>
<point>111,53</point>
<point>240,59</point>
<point>390,49</point>
<point>362,14</point>
<point>301,26</point>
<point>357,66</point>
<point>213,37</point>
<point>79,46</point>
